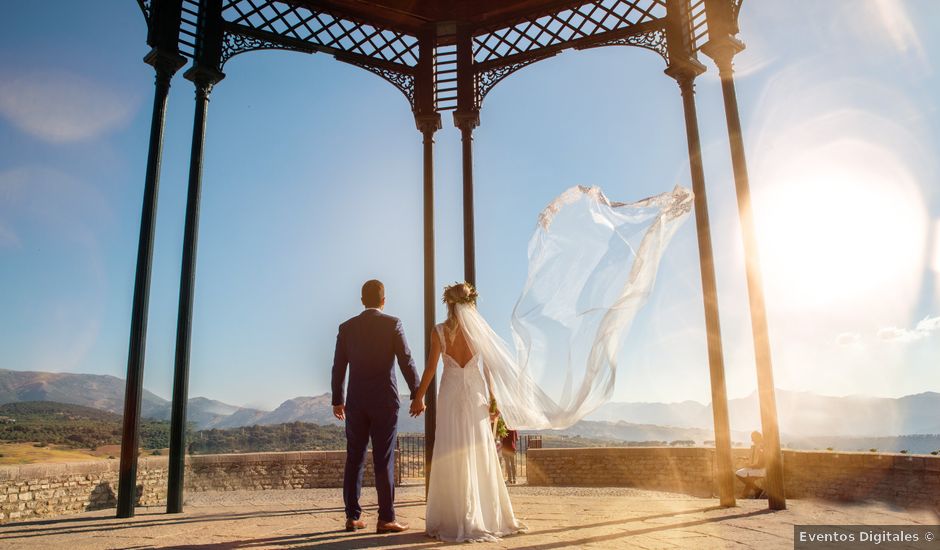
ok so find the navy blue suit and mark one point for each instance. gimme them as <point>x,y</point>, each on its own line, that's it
<point>368,345</point>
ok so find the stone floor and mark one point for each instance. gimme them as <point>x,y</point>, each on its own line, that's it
<point>557,518</point>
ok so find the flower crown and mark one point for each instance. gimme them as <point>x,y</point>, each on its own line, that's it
<point>470,298</point>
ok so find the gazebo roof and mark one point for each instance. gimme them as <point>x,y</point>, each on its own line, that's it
<point>412,15</point>
<point>398,39</point>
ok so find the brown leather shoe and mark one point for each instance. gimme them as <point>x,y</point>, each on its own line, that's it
<point>353,524</point>
<point>390,527</point>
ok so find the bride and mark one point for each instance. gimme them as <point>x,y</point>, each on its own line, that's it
<point>592,265</point>
<point>467,497</point>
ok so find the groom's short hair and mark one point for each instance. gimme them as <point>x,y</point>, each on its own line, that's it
<point>373,292</point>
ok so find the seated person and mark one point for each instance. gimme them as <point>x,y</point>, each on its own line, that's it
<point>754,471</point>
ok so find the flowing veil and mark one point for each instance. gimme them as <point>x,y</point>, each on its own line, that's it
<point>592,265</point>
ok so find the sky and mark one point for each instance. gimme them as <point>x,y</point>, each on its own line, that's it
<point>312,185</point>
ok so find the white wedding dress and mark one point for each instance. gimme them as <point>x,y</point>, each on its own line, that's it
<point>592,266</point>
<point>467,497</point>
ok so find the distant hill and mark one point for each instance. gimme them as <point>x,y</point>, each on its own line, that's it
<point>28,411</point>
<point>802,414</point>
<point>106,393</point>
<point>685,413</point>
<point>97,391</point>
<point>75,425</point>
<point>804,417</point>
<point>918,444</point>
<point>627,431</point>
<point>317,410</point>
<point>209,413</point>
<point>293,436</point>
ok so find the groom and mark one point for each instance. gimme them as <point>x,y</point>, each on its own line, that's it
<point>369,344</point>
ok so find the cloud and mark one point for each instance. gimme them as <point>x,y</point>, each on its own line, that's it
<point>929,324</point>
<point>900,335</point>
<point>924,328</point>
<point>63,107</point>
<point>849,339</point>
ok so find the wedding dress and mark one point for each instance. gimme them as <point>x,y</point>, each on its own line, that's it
<point>592,265</point>
<point>467,497</point>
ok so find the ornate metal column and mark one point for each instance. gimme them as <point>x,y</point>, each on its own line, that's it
<point>722,47</point>
<point>163,25</point>
<point>466,118</point>
<point>683,67</point>
<point>428,121</point>
<point>204,75</point>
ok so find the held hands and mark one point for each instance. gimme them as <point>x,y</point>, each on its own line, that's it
<point>339,411</point>
<point>417,406</point>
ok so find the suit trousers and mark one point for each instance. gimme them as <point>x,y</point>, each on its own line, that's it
<point>381,426</point>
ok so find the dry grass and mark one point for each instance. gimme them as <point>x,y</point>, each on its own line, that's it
<point>28,453</point>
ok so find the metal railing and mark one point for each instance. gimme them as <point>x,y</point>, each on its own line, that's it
<point>409,459</point>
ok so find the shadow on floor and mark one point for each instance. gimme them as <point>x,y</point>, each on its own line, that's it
<point>575,543</point>
<point>84,524</point>
<point>328,540</point>
<point>342,539</point>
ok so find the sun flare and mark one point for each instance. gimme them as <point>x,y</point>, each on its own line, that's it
<point>840,224</point>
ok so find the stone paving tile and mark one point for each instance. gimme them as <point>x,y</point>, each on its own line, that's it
<point>557,518</point>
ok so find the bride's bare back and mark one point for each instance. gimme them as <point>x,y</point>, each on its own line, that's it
<point>456,346</point>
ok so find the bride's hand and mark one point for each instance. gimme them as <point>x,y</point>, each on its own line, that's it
<point>417,406</point>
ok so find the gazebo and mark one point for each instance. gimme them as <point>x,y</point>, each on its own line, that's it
<point>442,55</point>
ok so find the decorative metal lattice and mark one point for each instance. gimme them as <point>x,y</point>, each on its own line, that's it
<point>234,44</point>
<point>404,82</point>
<point>654,40</point>
<point>496,52</point>
<point>489,78</point>
<point>565,28</point>
<point>324,31</point>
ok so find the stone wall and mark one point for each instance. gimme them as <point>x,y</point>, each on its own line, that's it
<point>294,470</point>
<point>899,479</point>
<point>36,490</point>
<point>683,470</point>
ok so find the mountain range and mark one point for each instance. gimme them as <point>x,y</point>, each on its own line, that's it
<point>802,414</point>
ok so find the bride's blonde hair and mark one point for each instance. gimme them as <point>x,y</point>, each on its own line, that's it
<point>458,293</point>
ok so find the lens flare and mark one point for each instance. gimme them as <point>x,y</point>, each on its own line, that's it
<point>840,224</point>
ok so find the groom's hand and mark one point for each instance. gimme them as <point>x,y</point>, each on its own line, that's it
<point>339,411</point>
<point>417,406</point>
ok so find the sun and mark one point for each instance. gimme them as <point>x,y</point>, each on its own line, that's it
<point>840,225</point>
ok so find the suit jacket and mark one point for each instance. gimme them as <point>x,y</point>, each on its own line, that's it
<point>368,345</point>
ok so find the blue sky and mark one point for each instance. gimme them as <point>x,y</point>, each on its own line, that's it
<point>312,184</point>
